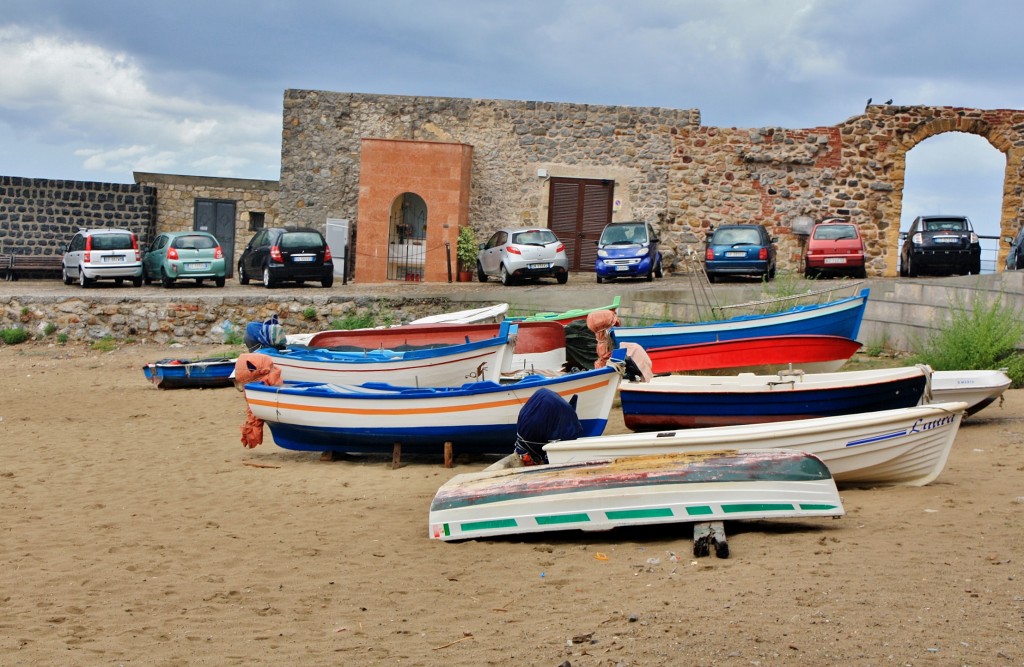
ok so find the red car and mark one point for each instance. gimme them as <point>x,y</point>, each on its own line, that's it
<point>834,247</point>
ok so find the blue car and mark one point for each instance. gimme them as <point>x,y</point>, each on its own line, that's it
<point>740,250</point>
<point>628,250</point>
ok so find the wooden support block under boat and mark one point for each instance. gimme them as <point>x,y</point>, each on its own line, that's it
<point>448,454</point>
<point>396,456</point>
<point>708,534</point>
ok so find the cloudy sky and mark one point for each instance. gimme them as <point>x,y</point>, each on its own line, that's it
<point>95,91</point>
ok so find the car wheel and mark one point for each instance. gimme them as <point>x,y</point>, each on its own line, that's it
<point>599,279</point>
<point>650,275</point>
<point>145,277</point>
<point>219,282</point>
<point>562,278</point>
<point>976,267</point>
<point>480,275</point>
<point>65,276</point>
<point>658,273</point>
<point>83,280</point>
<point>137,281</point>
<point>771,274</point>
<point>862,273</point>
<point>165,279</point>
<point>911,269</point>
<point>268,282</point>
<point>118,281</point>
<point>711,278</point>
<point>328,281</point>
<point>243,279</point>
<point>506,278</point>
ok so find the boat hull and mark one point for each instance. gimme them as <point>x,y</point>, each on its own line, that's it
<point>684,401</point>
<point>187,374</point>
<point>476,418</point>
<point>908,446</point>
<point>444,366</point>
<point>978,389</point>
<point>599,495</point>
<point>811,353</point>
<point>837,318</point>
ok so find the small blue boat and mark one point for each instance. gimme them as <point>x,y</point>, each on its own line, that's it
<point>191,373</point>
<point>841,317</point>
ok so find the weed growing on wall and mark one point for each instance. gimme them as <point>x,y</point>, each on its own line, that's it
<point>983,336</point>
<point>13,336</point>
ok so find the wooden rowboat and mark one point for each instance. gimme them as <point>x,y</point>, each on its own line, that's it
<point>699,401</point>
<point>641,490</point>
<point>190,373</point>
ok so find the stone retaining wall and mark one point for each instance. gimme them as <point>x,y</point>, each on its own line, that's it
<point>196,320</point>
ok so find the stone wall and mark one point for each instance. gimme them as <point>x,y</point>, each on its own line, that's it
<point>195,320</point>
<point>176,196</point>
<point>39,216</point>
<point>666,167</point>
<point>511,141</point>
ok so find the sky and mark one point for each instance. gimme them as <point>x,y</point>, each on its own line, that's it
<point>96,91</point>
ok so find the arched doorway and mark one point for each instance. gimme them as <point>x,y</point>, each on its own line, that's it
<point>957,173</point>
<point>407,238</point>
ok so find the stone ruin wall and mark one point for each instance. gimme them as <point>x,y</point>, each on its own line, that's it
<point>511,141</point>
<point>667,167</point>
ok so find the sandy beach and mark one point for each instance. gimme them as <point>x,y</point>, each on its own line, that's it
<point>137,530</point>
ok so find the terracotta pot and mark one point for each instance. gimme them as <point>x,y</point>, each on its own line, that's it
<point>465,276</point>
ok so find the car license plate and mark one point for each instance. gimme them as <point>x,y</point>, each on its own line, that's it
<point>541,265</point>
<point>303,258</point>
<point>835,260</point>
<point>622,267</point>
<point>947,239</point>
<point>113,259</point>
<point>735,253</point>
<point>197,266</point>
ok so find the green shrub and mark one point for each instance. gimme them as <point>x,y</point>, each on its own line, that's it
<point>309,313</point>
<point>234,337</point>
<point>49,329</point>
<point>982,337</point>
<point>62,338</point>
<point>13,336</point>
<point>364,320</point>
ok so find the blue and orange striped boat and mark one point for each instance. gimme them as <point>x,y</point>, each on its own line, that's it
<point>477,417</point>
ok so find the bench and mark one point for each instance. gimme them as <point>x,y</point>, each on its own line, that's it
<point>13,265</point>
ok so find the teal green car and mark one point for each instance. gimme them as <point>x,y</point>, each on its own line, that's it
<point>176,256</point>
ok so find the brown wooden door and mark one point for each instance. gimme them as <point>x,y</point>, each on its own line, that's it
<point>578,209</point>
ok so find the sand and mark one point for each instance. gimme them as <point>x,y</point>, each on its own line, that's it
<point>136,530</point>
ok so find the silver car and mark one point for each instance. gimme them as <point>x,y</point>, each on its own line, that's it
<point>102,254</point>
<point>515,254</point>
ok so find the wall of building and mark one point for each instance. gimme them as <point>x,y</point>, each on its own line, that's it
<point>39,216</point>
<point>176,196</point>
<point>666,166</point>
<point>511,140</point>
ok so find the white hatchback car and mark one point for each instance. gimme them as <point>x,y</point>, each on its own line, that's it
<point>513,254</point>
<point>102,254</point>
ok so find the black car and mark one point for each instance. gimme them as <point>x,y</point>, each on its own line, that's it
<point>280,254</point>
<point>940,245</point>
<point>1015,257</point>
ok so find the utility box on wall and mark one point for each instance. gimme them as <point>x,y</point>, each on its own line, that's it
<point>337,241</point>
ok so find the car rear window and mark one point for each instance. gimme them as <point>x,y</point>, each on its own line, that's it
<point>835,232</point>
<point>951,225</point>
<point>736,237</point>
<point>535,236</point>
<point>301,240</point>
<point>112,242</point>
<point>197,242</point>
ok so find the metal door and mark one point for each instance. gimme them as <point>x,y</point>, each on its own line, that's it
<point>218,218</point>
<point>578,209</point>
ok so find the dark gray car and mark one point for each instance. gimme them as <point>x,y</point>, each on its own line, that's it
<point>286,254</point>
<point>940,245</point>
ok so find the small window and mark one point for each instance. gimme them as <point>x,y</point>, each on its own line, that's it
<point>256,220</point>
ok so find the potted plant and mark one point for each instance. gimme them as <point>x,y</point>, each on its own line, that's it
<point>466,250</point>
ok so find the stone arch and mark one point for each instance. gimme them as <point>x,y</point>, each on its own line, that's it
<point>998,136</point>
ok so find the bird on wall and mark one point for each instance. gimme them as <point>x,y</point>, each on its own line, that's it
<point>868,104</point>
<point>889,101</point>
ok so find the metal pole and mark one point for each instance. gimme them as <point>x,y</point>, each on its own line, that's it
<point>448,256</point>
